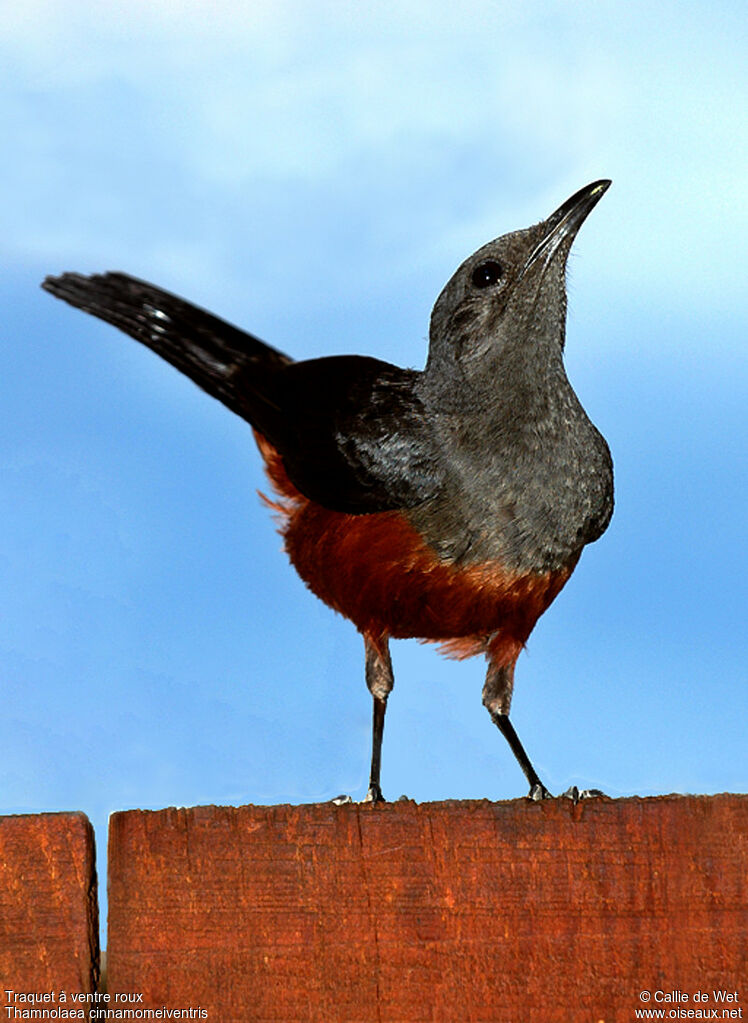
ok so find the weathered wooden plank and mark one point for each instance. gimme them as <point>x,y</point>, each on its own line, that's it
<point>455,911</point>
<point>48,912</point>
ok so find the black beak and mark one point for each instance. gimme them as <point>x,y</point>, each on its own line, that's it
<point>563,225</point>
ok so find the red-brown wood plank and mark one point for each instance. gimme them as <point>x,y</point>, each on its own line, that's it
<point>453,912</point>
<point>48,913</point>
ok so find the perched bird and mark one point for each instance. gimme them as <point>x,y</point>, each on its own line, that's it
<point>448,504</point>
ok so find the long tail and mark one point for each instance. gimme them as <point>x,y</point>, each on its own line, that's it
<point>219,357</point>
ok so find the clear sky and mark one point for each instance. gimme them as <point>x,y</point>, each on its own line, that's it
<point>315,172</point>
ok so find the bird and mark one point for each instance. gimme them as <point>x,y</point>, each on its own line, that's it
<point>449,504</point>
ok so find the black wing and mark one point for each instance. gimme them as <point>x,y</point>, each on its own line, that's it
<point>350,430</point>
<point>352,433</point>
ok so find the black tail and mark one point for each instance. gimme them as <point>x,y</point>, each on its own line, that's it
<point>219,357</point>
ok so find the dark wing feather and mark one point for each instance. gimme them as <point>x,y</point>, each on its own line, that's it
<point>353,434</point>
<point>350,430</point>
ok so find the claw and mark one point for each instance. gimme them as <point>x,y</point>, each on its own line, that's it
<point>374,795</point>
<point>538,793</point>
<point>575,794</point>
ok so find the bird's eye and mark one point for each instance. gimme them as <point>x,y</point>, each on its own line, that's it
<point>487,273</point>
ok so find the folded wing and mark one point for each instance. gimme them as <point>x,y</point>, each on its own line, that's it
<point>350,429</point>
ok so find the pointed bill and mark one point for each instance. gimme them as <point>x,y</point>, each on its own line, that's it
<point>563,224</point>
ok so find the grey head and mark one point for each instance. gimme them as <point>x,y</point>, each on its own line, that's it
<point>504,309</point>
<point>529,479</point>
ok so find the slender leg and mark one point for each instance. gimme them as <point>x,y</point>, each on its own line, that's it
<point>379,679</point>
<point>497,698</point>
<point>537,788</point>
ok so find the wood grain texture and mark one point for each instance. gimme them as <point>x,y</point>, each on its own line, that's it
<point>455,911</point>
<point>48,912</point>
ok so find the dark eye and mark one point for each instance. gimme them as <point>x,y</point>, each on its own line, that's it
<point>487,273</point>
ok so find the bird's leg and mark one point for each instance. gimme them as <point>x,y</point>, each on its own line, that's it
<point>380,680</point>
<point>497,698</point>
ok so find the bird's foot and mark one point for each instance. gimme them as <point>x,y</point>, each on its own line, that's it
<point>538,793</point>
<point>575,794</point>
<point>374,795</point>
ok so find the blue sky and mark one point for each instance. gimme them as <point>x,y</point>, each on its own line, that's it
<point>315,172</point>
